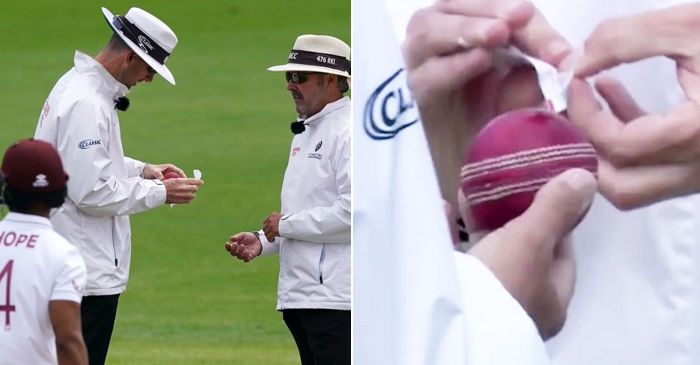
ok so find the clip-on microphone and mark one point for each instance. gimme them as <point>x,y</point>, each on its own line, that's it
<point>122,103</point>
<point>297,127</point>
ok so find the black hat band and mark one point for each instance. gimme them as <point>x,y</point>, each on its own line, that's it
<point>134,34</point>
<point>319,59</point>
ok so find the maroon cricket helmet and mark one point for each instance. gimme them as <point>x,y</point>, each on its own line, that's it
<point>33,166</point>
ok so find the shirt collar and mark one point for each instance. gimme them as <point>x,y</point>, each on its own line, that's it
<point>87,65</point>
<point>329,108</point>
<point>27,218</point>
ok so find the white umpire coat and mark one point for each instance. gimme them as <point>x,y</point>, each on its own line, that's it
<point>104,187</point>
<point>314,247</point>
<point>415,300</point>
<point>637,297</point>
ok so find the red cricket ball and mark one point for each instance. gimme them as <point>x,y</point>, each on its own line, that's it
<point>170,175</point>
<point>512,157</point>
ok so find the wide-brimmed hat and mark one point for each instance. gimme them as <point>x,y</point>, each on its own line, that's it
<point>148,36</point>
<point>33,166</point>
<point>318,53</point>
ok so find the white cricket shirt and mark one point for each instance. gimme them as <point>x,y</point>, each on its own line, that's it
<point>37,266</point>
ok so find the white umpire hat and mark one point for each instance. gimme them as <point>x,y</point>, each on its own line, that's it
<point>148,36</point>
<point>318,53</point>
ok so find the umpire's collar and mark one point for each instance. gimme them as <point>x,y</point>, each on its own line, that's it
<point>328,109</point>
<point>88,66</point>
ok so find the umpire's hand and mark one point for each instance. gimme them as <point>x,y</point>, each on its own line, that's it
<point>244,245</point>
<point>271,226</point>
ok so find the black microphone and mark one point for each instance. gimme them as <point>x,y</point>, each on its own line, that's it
<point>122,103</point>
<point>297,127</point>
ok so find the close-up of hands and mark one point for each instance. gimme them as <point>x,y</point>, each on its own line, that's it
<point>179,190</point>
<point>271,226</point>
<point>537,265</point>
<point>449,56</point>
<point>467,38</point>
<point>244,246</point>
<point>151,171</point>
<point>451,52</point>
<point>644,158</point>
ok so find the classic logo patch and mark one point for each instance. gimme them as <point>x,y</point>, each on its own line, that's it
<point>87,143</point>
<point>295,150</point>
<point>144,43</point>
<point>390,109</point>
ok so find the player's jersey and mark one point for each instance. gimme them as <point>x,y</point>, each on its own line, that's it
<point>37,265</point>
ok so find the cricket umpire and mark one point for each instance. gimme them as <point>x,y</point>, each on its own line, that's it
<point>80,119</point>
<point>312,232</point>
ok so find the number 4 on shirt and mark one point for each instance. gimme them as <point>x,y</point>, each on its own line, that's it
<point>7,307</point>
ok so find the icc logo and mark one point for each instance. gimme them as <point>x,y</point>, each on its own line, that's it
<point>390,109</point>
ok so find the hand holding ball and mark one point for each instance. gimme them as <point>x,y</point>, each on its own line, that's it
<point>512,157</point>
<point>171,175</point>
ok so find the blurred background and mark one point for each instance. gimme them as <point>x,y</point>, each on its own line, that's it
<point>187,302</point>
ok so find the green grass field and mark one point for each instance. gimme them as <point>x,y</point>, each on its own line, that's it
<point>188,302</point>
